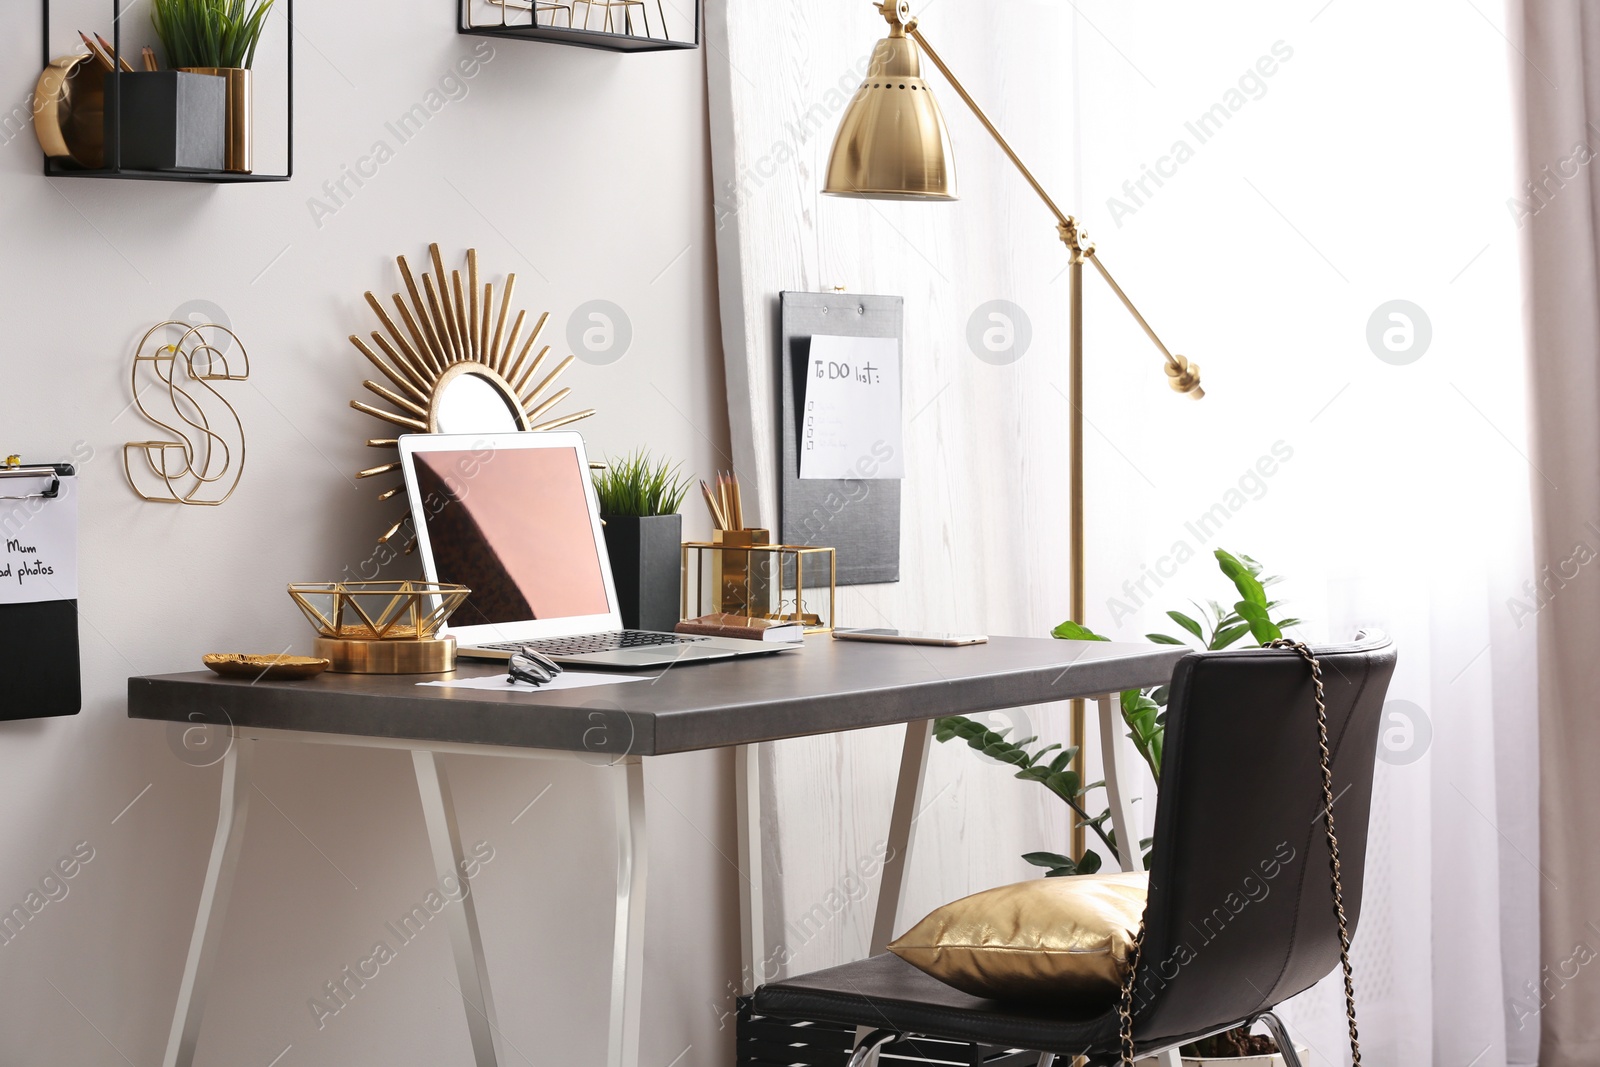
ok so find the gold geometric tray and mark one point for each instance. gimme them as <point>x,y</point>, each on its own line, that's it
<point>378,611</point>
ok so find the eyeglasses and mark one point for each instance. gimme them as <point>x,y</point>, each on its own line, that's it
<point>534,668</point>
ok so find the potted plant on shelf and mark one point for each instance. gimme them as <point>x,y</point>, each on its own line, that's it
<point>1213,627</point>
<point>217,37</point>
<point>639,501</point>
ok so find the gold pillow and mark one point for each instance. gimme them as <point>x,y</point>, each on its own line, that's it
<point>1049,937</point>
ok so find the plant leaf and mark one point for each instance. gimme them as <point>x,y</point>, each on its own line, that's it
<point>1261,628</point>
<point>1248,585</point>
<point>1163,639</point>
<point>1187,623</point>
<point>1072,631</point>
<point>1224,638</point>
<point>1047,859</point>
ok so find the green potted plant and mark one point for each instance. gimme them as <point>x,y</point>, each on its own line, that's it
<point>639,501</point>
<point>1213,626</point>
<point>217,37</point>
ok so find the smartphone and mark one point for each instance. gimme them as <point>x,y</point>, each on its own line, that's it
<point>909,637</point>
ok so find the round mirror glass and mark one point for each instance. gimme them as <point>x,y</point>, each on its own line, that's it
<point>471,403</point>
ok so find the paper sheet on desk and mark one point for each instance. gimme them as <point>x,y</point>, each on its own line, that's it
<point>38,541</point>
<point>850,425</point>
<point>566,680</point>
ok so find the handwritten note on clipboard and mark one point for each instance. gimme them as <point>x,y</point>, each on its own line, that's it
<point>39,672</point>
<point>850,427</point>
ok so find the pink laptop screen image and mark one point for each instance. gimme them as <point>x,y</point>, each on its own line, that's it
<point>512,524</point>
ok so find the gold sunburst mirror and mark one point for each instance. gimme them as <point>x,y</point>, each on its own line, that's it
<point>455,365</point>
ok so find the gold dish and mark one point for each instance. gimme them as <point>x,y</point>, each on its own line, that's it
<point>69,110</point>
<point>265,668</point>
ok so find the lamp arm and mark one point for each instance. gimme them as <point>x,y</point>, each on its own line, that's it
<point>1183,376</point>
<point>955,83</point>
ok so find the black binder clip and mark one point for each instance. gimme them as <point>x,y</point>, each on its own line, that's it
<point>54,471</point>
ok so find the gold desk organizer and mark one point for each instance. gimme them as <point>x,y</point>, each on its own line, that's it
<point>740,572</point>
<point>382,627</point>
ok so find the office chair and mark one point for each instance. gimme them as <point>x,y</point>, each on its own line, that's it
<point>1240,914</point>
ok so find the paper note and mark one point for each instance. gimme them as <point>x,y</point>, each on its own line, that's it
<point>497,683</point>
<point>850,427</point>
<point>38,541</point>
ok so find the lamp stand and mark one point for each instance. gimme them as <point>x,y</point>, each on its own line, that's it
<point>1182,376</point>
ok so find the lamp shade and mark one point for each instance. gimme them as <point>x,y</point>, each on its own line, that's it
<point>892,143</point>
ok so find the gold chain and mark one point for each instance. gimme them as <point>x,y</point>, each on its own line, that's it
<point>1333,839</point>
<point>1125,1005</point>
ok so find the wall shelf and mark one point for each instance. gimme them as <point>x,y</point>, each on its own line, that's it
<point>65,168</point>
<point>572,35</point>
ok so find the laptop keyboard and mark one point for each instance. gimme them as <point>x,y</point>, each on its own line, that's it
<point>583,644</point>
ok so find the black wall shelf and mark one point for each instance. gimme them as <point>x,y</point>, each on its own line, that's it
<point>66,168</point>
<point>574,35</point>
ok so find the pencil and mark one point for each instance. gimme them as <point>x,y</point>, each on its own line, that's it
<point>738,505</point>
<point>711,503</point>
<point>112,52</point>
<point>94,50</point>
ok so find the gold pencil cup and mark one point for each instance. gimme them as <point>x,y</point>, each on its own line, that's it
<point>237,154</point>
<point>742,578</point>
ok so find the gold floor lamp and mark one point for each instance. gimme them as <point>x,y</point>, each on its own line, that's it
<point>892,145</point>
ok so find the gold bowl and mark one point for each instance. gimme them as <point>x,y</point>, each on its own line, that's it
<point>69,110</point>
<point>264,668</point>
<point>378,611</point>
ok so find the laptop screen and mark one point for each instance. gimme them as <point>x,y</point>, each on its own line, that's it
<point>513,525</point>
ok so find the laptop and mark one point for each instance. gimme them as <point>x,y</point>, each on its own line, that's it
<point>514,517</point>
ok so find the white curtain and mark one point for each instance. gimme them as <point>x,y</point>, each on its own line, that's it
<point>1311,201</point>
<point>1266,180</point>
<point>1557,211</point>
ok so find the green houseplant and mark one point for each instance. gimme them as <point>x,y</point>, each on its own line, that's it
<point>1212,626</point>
<point>217,37</point>
<point>640,498</point>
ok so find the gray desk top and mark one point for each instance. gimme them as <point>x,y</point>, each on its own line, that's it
<point>826,687</point>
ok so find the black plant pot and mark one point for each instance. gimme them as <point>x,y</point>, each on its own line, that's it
<point>646,555</point>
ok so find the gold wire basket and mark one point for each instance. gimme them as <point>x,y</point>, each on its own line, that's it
<point>382,627</point>
<point>378,611</point>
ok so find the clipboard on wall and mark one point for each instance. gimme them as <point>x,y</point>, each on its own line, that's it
<point>858,515</point>
<point>39,664</point>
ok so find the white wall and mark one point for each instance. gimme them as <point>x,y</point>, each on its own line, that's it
<point>586,174</point>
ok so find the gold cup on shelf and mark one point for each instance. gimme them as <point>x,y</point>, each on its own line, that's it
<point>382,627</point>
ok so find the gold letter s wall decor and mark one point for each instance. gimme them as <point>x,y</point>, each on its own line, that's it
<point>202,462</point>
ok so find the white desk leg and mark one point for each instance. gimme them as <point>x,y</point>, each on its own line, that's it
<point>907,804</point>
<point>627,963</point>
<point>199,968</point>
<point>444,840</point>
<point>752,872</point>
<point>1113,750</point>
